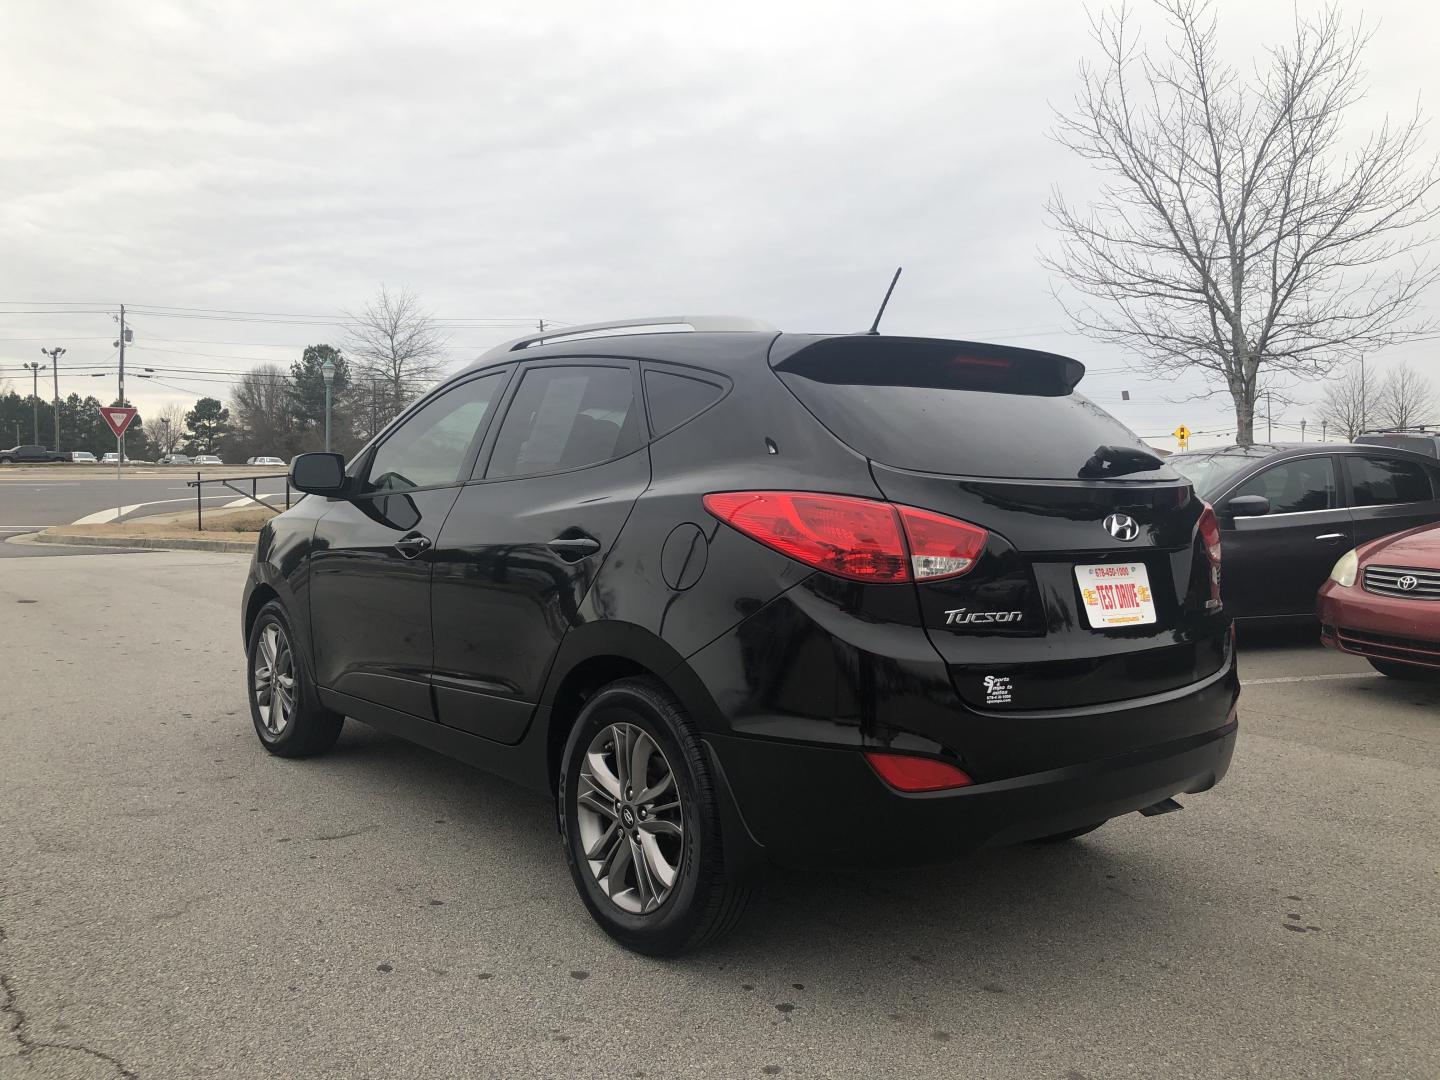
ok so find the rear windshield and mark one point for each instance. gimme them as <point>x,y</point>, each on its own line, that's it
<point>1210,473</point>
<point>964,410</point>
<point>1420,444</point>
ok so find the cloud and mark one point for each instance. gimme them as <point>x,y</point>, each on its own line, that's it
<point>521,160</point>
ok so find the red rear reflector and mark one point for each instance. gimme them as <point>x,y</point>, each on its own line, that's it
<point>906,773</point>
<point>860,539</point>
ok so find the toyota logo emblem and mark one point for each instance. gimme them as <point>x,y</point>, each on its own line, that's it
<point>1407,582</point>
<point>1122,527</point>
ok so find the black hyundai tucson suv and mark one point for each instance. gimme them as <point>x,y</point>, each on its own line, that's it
<point>736,597</point>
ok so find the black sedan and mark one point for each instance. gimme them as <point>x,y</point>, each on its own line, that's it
<point>1288,511</point>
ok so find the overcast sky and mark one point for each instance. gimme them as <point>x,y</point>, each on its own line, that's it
<point>512,161</point>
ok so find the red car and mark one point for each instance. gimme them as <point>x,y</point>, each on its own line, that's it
<point>1382,602</point>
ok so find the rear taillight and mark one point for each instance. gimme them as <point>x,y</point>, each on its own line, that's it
<point>906,773</point>
<point>1210,538</point>
<point>860,539</point>
<point>940,547</point>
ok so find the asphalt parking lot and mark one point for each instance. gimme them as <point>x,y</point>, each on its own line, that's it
<point>176,903</point>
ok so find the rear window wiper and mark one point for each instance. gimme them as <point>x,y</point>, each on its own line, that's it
<point>1119,461</point>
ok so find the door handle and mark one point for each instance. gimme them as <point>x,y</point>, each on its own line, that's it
<point>412,546</point>
<point>574,547</point>
<point>1331,536</point>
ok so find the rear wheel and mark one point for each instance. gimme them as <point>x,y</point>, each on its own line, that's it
<point>1408,672</point>
<point>640,820</point>
<point>286,712</point>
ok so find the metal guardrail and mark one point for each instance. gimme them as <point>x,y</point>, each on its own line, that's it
<point>229,482</point>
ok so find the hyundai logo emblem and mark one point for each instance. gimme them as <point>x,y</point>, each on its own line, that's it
<point>1407,582</point>
<point>1122,527</point>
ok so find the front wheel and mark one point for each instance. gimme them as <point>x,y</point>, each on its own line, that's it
<point>286,712</point>
<point>640,819</point>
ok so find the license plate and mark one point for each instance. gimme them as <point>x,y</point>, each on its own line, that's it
<point>1116,594</point>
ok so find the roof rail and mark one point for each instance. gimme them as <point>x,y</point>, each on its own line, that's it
<point>656,323</point>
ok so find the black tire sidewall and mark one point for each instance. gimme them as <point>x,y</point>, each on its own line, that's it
<point>1394,669</point>
<point>274,612</point>
<point>671,926</point>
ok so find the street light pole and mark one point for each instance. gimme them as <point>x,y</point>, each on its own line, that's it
<point>35,370</point>
<point>327,372</point>
<point>54,355</point>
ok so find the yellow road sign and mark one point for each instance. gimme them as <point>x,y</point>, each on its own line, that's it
<point>1182,433</point>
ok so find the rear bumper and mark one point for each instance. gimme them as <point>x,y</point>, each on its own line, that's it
<point>815,806</point>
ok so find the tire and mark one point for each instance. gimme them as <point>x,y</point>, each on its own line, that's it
<point>1394,669</point>
<point>301,727</point>
<point>700,904</point>
<point>1068,834</point>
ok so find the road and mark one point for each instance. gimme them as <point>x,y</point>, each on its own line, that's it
<point>176,903</point>
<point>32,499</point>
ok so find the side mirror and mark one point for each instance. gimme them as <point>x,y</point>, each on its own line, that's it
<point>319,474</point>
<point>1247,506</point>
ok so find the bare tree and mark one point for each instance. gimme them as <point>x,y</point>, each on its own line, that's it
<point>1406,399</point>
<point>167,426</point>
<point>1236,233</point>
<point>397,349</point>
<point>1349,402</point>
<point>264,421</point>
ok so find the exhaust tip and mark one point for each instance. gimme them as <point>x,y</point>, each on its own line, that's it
<point>1164,806</point>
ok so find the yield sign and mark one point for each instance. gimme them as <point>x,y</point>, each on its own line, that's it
<point>118,418</point>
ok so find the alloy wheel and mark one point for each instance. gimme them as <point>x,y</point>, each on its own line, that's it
<point>630,817</point>
<point>274,679</point>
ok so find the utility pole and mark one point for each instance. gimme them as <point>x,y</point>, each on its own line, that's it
<point>35,370</point>
<point>1269,417</point>
<point>54,355</point>
<point>122,354</point>
<point>120,439</point>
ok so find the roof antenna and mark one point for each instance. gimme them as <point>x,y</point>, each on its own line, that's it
<point>875,326</point>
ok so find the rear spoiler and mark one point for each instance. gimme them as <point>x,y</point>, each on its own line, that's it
<point>932,363</point>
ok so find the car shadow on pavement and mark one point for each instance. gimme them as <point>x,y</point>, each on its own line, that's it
<point>1072,905</point>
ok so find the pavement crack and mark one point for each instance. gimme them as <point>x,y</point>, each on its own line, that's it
<point>345,835</point>
<point>16,1021</point>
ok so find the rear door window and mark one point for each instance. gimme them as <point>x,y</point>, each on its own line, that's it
<point>566,418</point>
<point>955,408</point>
<point>1387,481</point>
<point>1293,487</point>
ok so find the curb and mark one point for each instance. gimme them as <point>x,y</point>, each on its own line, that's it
<point>150,542</point>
